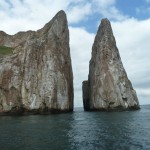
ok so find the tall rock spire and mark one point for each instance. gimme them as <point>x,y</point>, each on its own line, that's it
<point>108,87</point>
<point>38,76</point>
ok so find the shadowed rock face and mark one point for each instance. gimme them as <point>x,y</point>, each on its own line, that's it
<point>38,76</point>
<point>108,87</point>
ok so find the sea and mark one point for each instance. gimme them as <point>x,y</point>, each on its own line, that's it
<point>79,130</point>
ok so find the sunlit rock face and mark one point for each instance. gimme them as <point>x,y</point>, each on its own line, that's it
<point>108,87</point>
<point>38,76</point>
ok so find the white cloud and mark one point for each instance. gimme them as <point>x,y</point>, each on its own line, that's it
<point>79,12</point>
<point>81,44</point>
<point>34,14</point>
<point>144,95</point>
<point>108,9</point>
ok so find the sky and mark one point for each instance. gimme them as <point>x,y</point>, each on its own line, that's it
<point>130,20</point>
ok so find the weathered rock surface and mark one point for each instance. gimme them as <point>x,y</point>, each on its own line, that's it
<point>108,87</point>
<point>38,76</point>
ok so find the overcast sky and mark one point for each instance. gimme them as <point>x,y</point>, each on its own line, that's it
<point>130,21</point>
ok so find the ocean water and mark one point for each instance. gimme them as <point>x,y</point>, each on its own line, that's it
<point>77,131</point>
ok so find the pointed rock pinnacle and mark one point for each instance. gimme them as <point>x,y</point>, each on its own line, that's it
<point>108,87</point>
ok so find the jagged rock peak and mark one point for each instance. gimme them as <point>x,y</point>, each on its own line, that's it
<point>61,14</point>
<point>38,77</point>
<point>105,33</point>
<point>59,17</point>
<point>105,27</point>
<point>108,87</point>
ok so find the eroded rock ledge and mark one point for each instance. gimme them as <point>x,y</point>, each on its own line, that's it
<point>38,76</point>
<point>108,87</point>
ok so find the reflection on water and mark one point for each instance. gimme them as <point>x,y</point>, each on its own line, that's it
<point>77,131</point>
<point>104,130</point>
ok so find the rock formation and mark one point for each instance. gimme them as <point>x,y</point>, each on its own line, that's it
<point>37,77</point>
<point>108,87</point>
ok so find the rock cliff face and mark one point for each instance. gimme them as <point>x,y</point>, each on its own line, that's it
<point>108,87</point>
<point>38,76</point>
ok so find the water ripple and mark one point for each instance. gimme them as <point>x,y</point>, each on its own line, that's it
<point>77,131</point>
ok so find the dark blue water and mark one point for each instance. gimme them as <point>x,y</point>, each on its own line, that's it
<point>77,131</point>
